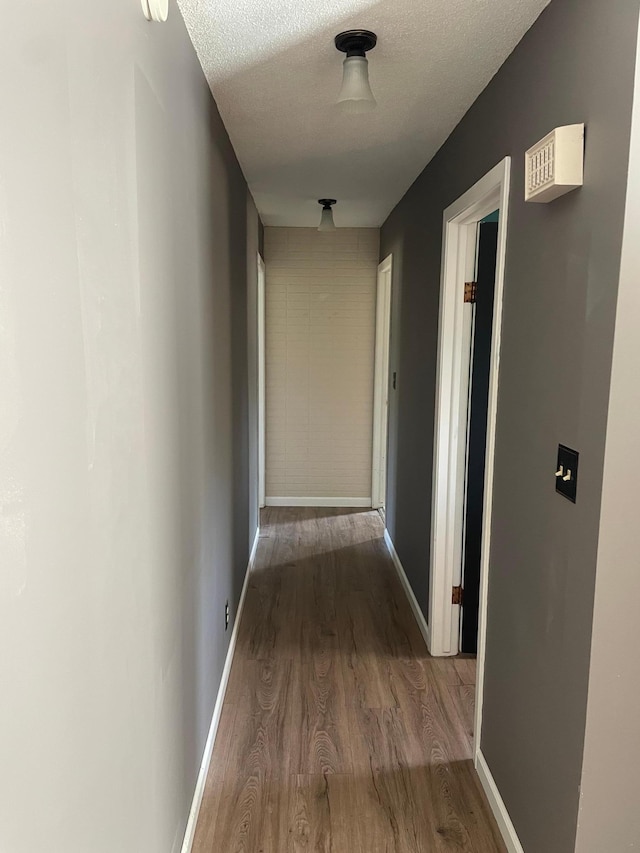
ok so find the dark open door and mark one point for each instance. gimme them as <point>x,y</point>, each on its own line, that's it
<point>479,402</point>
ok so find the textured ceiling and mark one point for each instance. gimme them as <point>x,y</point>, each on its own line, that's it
<point>275,75</point>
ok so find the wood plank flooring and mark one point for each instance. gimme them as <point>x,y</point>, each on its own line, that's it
<point>339,734</point>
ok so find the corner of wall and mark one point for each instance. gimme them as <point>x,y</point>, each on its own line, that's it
<point>609,818</point>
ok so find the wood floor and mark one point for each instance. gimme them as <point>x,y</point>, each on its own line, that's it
<point>339,734</point>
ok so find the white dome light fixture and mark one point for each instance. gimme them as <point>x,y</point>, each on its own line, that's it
<point>356,95</point>
<point>326,220</point>
<point>155,10</point>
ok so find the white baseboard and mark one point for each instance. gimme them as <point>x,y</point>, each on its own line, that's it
<point>337,502</point>
<point>417,612</point>
<point>506,827</point>
<point>496,803</point>
<point>217,711</point>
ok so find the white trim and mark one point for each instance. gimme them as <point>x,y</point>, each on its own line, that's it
<point>404,580</point>
<point>505,825</point>
<point>217,711</point>
<point>261,382</point>
<point>460,227</point>
<point>337,502</point>
<point>492,416</point>
<point>381,384</point>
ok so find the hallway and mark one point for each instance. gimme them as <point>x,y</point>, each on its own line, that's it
<point>338,732</point>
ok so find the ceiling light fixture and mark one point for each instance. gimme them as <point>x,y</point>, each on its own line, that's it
<point>326,220</point>
<point>356,95</point>
<point>155,10</point>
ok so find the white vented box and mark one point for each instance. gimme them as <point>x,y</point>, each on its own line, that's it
<point>555,165</point>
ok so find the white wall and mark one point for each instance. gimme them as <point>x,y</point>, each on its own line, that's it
<point>609,815</point>
<point>320,332</point>
<point>123,525</point>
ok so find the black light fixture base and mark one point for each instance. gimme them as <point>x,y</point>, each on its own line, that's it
<point>356,42</point>
<point>327,202</point>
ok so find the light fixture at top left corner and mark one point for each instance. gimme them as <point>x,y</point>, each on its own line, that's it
<point>155,10</point>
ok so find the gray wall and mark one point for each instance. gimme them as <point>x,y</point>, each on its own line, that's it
<point>127,349</point>
<point>576,64</point>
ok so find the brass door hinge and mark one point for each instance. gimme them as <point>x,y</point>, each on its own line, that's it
<point>470,291</point>
<point>456,598</point>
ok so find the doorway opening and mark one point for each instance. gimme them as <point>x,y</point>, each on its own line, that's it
<point>465,420</point>
<point>262,463</point>
<point>381,386</point>
<point>479,299</point>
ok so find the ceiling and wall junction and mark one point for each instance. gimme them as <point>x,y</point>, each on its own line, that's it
<point>275,74</point>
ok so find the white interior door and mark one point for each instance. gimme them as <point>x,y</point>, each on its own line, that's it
<point>381,385</point>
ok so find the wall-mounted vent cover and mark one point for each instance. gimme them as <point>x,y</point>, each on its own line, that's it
<point>555,165</point>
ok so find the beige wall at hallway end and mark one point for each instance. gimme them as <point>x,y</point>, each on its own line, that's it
<point>320,333</point>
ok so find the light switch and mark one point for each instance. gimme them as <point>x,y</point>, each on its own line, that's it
<point>567,472</point>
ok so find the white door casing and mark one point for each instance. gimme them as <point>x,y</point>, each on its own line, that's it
<point>381,384</point>
<point>460,222</point>
<point>261,383</point>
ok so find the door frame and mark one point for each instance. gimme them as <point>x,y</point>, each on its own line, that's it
<point>262,464</point>
<point>381,384</point>
<point>460,222</point>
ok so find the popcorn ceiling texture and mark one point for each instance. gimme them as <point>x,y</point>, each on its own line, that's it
<point>275,75</point>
